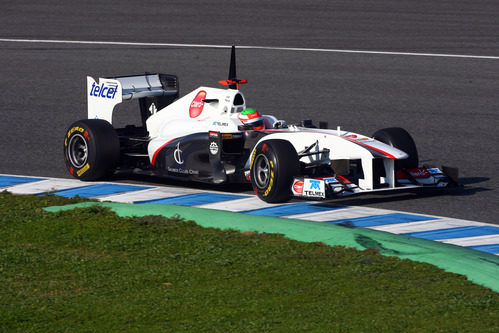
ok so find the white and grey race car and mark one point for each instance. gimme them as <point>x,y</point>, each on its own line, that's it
<point>209,135</point>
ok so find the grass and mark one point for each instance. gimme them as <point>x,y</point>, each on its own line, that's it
<point>87,270</point>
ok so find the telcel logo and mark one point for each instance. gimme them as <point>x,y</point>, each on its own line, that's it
<point>103,91</point>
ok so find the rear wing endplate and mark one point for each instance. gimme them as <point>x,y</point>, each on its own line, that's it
<point>105,94</point>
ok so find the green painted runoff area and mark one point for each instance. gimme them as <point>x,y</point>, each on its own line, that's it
<point>479,267</point>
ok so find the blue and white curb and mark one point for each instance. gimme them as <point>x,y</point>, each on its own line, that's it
<point>480,236</point>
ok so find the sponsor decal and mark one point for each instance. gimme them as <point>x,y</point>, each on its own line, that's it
<point>351,136</point>
<point>218,123</point>
<point>177,154</point>
<point>253,157</point>
<point>330,180</point>
<point>333,184</point>
<point>197,104</point>
<point>415,173</point>
<point>183,171</point>
<point>226,136</point>
<point>271,182</point>
<point>105,90</point>
<point>298,187</point>
<point>213,134</point>
<point>213,148</point>
<point>315,184</point>
<point>419,173</point>
<point>83,170</point>
<point>434,171</point>
<point>314,188</point>
<point>71,131</point>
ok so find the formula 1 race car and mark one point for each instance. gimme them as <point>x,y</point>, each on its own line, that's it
<point>209,135</point>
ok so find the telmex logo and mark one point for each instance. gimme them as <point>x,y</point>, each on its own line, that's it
<point>315,184</point>
<point>103,90</point>
<point>197,104</point>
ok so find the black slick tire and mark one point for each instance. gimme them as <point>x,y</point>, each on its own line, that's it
<point>273,165</point>
<point>91,149</point>
<point>399,138</point>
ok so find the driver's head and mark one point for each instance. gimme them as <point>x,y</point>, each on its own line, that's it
<point>252,119</point>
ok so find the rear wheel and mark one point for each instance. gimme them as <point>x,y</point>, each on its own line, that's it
<point>399,138</point>
<point>91,149</point>
<point>273,165</point>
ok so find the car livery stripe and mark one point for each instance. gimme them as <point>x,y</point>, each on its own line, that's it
<point>373,150</point>
<point>158,150</point>
<point>475,235</point>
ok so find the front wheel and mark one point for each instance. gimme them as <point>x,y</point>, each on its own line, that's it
<point>399,138</point>
<point>91,149</point>
<point>273,165</point>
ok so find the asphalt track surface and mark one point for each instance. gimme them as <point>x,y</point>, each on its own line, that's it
<point>448,103</point>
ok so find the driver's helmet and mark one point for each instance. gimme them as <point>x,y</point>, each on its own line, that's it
<point>252,119</point>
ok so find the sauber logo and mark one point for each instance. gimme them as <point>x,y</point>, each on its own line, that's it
<point>197,104</point>
<point>177,154</point>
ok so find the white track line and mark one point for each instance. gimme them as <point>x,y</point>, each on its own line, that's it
<point>253,202</point>
<point>472,241</point>
<point>46,186</point>
<point>346,212</point>
<point>87,42</point>
<point>153,193</point>
<point>430,225</point>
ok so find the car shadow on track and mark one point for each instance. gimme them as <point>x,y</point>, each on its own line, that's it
<point>158,181</point>
<point>466,188</point>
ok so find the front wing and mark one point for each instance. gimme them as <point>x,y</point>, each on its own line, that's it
<point>339,186</point>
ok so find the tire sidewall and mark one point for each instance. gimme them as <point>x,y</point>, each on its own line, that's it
<point>283,165</point>
<point>264,150</point>
<point>102,148</point>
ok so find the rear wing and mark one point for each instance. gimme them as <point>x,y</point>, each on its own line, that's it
<point>149,89</point>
